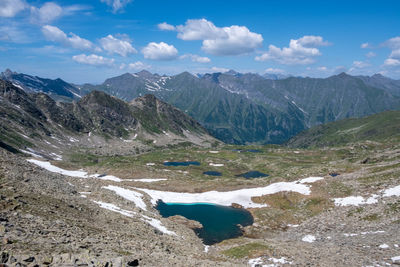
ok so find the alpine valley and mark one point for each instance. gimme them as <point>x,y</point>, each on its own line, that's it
<point>220,169</point>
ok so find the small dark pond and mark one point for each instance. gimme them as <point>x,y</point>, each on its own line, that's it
<point>219,222</point>
<point>212,173</point>
<point>252,174</point>
<point>334,174</point>
<point>247,150</point>
<point>181,163</point>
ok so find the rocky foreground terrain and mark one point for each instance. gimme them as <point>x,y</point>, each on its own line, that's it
<point>348,220</point>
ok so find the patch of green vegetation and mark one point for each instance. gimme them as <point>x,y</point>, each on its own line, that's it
<point>354,211</point>
<point>377,179</point>
<point>84,160</point>
<point>371,217</point>
<point>385,168</point>
<point>393,207</point>
<point>246,250</point>
<point>339,189</point>
<point>378,127</point>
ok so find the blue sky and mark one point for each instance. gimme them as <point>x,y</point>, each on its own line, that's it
<point>89,41</point>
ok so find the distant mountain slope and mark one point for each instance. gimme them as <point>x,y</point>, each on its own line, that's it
<point>248,108</point>
<point>244,108</point>
<point>376,127</point>
<point>380,81</point>
<point>231,117</point>
<point>28,119</point>
<point>57,89</point>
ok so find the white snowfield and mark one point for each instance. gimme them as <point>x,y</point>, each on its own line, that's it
<point>395,191</point>
<point>276,262</point>
<point>242,196</point>
<point>355,200</point>
<point>153,222</point>
<point>80,174</point>
<point>359,200</point>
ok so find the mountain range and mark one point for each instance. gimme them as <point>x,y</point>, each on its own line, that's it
<point>35,119</point>
<point>246,108</point>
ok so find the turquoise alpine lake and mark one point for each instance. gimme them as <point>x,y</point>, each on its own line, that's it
<point>219,222</point>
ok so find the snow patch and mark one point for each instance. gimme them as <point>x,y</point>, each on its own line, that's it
<point>112,207</point>
<point>384,246</point>
<point>308,238</point>
<point>310,180</point>
<point>130,195</point>
<point>276,262</point>
<point>32,153</point>
<point>80,174</point>
<point>395,191</point>
<point>56,156</point>
<point>213,152</point>
<point>150,164</point>
<point>48,166</point>
<point>355,200</point>
<point>158,225</point>
<point>395,259</point>
<point>149,180</point>
<point>216,164</point>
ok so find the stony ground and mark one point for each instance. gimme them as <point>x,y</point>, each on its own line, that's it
<point>51,219</point>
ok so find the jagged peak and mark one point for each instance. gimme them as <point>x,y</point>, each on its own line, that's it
<point>144,73</point>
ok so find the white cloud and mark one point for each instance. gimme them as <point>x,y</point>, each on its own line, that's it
<point>274,71</point>
<point>217,69</point>
<point>117,46</point>
<point>300,51</point>
<point>365,45</point>
<point>360,64</point>
<point>240,40</point>
<point>135,66</point>
<point>223,41</point>
<point>322,68</point>
<point>117,5</point>
<point>54,34</point>
<point>94,60</point>
<point>160,51</point>
<point>138,65</point>
<point>393,43</point>
<point>166,27</point>
<point>391,62</point>
<point>14,33</point>
<point>199,29</point>
<point>196,58</point>
<point>370,54</point>
<point>9,8</point>
<point>339,69</point>
<point>47,13</point>
<point>394,58</point>
<point>51,11</point>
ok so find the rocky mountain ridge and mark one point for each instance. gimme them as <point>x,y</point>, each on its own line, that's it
<point>249,108</point>
<point>29,119</point>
